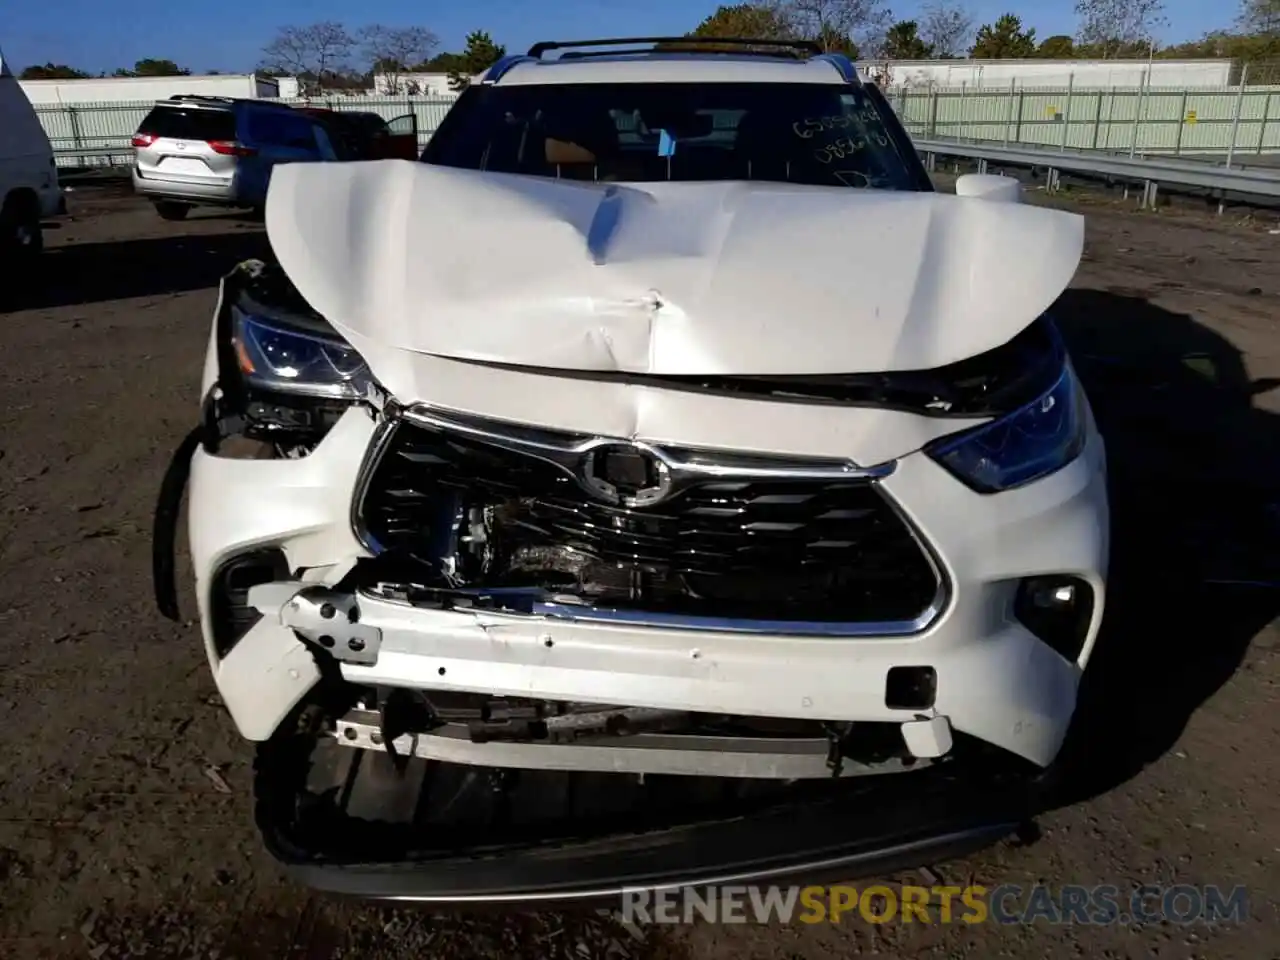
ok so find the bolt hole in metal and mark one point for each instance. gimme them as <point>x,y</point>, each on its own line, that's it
<point>327,641</point>
<point>327,611</point>
<point>355,644</point>
<point>441,671</point>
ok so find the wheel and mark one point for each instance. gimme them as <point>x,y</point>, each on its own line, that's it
<point>169,210</point>
<point>21,236</point>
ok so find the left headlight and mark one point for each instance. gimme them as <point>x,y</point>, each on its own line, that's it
<point>275,356</point>
<point>1021,447</point>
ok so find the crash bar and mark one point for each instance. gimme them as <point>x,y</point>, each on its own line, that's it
<point>1150,171</point>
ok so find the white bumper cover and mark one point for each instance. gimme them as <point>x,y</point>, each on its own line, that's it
<point>995,680</point>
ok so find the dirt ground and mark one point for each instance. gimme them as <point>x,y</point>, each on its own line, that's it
<point>125,825</point>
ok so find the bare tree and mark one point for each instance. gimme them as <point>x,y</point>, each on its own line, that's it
<point>947,27</point>
<point>394,51</point>
<point>865,21</point>
<point>313,53</point>
<point>1115,25</point>
<point>1260,17</point>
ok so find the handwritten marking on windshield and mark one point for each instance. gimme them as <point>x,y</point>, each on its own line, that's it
<point>839,149</point>
<point>810,127</point>
<point>852,178</point>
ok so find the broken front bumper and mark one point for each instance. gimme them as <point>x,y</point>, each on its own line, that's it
<point>995,680</point>
<point>499,842</point>
<point>440,815</point>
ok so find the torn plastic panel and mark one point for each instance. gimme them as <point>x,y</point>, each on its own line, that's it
<point>325,807</point>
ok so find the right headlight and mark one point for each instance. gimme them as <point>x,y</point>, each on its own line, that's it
<point>276,356</point>
<point>1021,447</point>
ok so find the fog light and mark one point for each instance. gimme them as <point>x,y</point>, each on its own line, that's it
<point>1058,610</point>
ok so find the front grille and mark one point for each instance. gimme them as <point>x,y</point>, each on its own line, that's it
<point>754,548</point>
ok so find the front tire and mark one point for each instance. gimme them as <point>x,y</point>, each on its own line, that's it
<point>169,210</point>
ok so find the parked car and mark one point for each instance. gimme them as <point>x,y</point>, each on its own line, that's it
<point>362,135</point>
<point>660,483</point>
<point>194,150</point>
<point>29,188</point>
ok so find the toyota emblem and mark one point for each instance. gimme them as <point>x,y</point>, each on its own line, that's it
<point>627,475</point>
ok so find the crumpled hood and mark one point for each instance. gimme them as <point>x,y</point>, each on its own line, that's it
<point>662,278</point>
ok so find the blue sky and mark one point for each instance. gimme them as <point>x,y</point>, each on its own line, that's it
<point>227,35</point>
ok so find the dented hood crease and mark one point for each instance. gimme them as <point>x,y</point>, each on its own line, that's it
<point>662,278</point>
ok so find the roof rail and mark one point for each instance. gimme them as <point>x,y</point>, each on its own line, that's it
<point>798,46</point>
<point>637,51</point>
<point>202,96</point>
<point>496,72</point>
<point>841,63</point>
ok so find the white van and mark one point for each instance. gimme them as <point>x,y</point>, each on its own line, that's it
<point>29,190</point>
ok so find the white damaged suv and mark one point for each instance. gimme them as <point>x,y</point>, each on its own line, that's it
<point>659,483</point>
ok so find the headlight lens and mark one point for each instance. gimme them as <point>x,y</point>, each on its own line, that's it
<point>1024,446</point>
<point>274,356</point>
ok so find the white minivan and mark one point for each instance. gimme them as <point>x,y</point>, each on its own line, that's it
<point>29,190</point>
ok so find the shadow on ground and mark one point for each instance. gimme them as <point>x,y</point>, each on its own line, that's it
<point>1195,497</point>
<point>80,274</point>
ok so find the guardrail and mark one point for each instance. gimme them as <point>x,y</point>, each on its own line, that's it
<point>1151,172</point>
<point>93,157</point>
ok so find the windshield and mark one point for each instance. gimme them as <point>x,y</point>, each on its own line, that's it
<point>824,134</point>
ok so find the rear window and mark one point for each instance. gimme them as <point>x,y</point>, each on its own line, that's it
<point>187,123</point>
<point>823,134</point>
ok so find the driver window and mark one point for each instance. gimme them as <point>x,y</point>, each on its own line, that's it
<point>323,143</point>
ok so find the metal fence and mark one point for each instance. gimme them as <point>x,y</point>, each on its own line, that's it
<point>1239,120</point>
<point>1229,122</point>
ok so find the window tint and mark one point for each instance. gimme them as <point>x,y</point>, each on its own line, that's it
<point>188,123</point>
<point>826,134</point>
<point>279,128</point>
<point>370,124</point>
<point>324,144</point>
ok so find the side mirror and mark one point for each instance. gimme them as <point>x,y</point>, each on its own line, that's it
<point>987,186</point>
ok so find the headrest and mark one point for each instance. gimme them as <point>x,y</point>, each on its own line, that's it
<point>564,152</point>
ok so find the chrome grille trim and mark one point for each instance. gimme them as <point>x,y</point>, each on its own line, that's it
<point>693,465</point>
